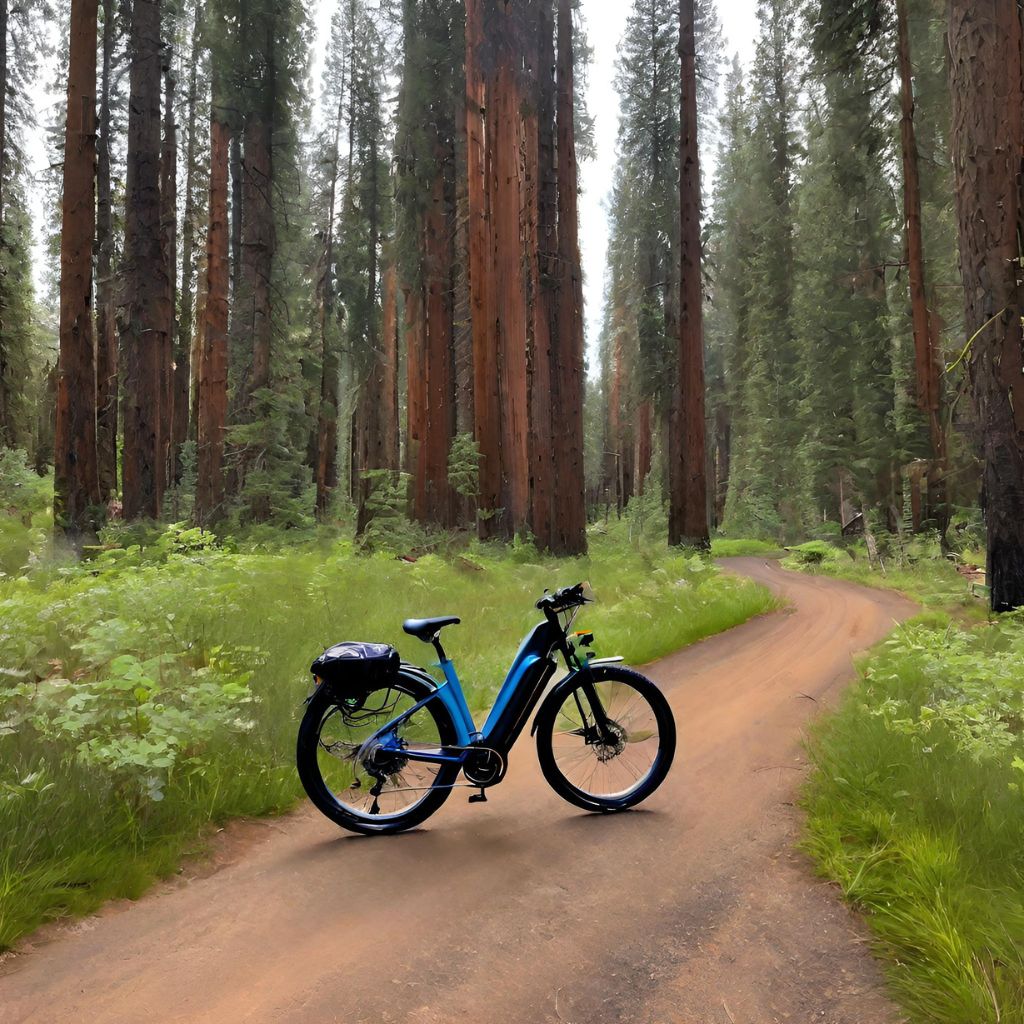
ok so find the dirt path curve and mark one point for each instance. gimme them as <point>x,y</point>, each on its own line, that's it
<point>691,910</point>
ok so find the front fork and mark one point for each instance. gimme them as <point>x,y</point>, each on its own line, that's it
<point>601,732</point>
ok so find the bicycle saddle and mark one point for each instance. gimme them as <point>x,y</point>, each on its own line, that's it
<point>427,629</point>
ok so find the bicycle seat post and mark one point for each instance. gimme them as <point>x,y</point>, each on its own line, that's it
<point>442,657</point>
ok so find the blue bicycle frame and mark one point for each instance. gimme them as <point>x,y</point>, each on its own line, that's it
<point>530,673</point>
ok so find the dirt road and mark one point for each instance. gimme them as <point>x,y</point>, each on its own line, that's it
<point>693,909</point>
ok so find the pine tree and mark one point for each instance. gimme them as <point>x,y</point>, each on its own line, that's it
<point>21,46</point>
<point>763,475</point>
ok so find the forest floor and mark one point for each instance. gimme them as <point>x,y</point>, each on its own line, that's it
<point>694,909</point>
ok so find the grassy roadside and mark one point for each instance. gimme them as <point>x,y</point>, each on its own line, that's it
<point>157,689</point>
<point>923,575</point>
<point>915,805</point>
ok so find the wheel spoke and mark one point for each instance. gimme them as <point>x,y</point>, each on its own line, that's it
<point>622,761</point>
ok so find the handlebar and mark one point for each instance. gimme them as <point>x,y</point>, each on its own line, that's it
<point>564,599</point>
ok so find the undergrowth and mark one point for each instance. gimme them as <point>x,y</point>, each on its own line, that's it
<point>156,687</point>
<point>916,809</point>
<point>917,569</point>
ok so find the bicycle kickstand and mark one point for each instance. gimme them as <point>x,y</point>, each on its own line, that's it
<point>479,798</point>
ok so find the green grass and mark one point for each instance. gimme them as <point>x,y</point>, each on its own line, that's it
<point>916,809</point>
<point>925,576</point>
<point>728,547</point>
<point>156,690</point>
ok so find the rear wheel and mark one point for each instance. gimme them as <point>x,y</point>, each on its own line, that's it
<point>610,768</point>
<point>371,791</point>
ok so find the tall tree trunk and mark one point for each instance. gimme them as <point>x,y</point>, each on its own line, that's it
<point>252,302</point>
<point>987,86</point>
<point>462,310</point>
<point>212,399</point>
<point>76,476</point>
<point>330,361</point>
<point>146,297</point>
<point>169,229</point>
<point>486,388</point>
<point>389,363</point>
<point>688,506</point>
<point>567,358</point>
<point>439,352</point>
<point>545,277</point>
<point>237,174</point>
<point>416,399</point>
<point>184,369</point>
<point>927,337</point>
<point>106,318</point>
<point>614,453</point>
<point>508,197</point>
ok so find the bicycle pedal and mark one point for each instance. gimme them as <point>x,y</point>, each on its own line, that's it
<point>479,798</point>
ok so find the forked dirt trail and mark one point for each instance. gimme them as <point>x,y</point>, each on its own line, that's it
<point>691,910</point>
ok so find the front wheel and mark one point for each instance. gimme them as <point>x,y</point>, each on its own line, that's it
<point>613,766</point>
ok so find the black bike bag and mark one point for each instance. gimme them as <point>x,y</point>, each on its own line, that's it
<point>358,666</point>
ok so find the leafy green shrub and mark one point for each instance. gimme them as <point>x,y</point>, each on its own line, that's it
<point>25,500</point>
<point>815,552</point>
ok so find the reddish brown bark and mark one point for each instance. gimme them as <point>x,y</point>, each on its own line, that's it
<point>416,402</point>
<point>212,399</point>
<point>570,536</point>
<point>76,477</point>
<point>169,227</point>
<point>106,322</point>
<point>486,391</point>
<point>542,253</point>
<point>986,46</point>
<point>437,500</point>
<point>145,315</point>
<point>185,368</point>
<point>252,312</point>
<point>507,183</point>
<point>688,493</point>
<point>462,312</point>
<point>927,337</point>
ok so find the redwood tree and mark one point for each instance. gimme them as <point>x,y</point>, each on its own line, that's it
<point>688,509</point>
<point>986,47</point>
<point>106,323</point>
<point>146,291</point>
<point>212,399</point>
<point>569,537</point>
<point>170,378</point>
<point>76,477</point>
